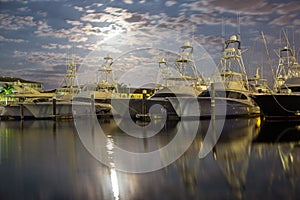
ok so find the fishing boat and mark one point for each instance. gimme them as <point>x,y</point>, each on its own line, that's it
<point>101,92</point>
<point>228,94</point>
<point>22,95</point>
<point>185,83</point>
<point>41,105</point>
<point>283,103</point>
<point>68,96</point>
<point>60,103</point>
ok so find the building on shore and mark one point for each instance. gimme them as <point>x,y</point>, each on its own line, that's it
<point>14,81</point>
<point>13,85</point>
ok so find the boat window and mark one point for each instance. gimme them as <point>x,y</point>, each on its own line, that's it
<point>221,94</point>
<point>164,95</point>
<point>295,89</point>
<point>217,94</point>
<point>204,94</point>
<point>229,94</point>
<point>236,95</point>
<point>233,95</point>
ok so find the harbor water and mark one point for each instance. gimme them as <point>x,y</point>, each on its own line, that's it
<point>253,159</point>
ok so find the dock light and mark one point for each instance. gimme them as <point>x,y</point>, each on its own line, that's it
<point>144,93</point>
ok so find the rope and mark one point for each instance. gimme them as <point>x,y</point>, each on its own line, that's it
<point>285,109</point>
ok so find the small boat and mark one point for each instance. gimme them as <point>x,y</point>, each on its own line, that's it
<point>229,91</point>
<point>283,103</point>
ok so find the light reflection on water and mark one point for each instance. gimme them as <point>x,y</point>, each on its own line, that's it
<point>113,173</point>
<point>46,160</point>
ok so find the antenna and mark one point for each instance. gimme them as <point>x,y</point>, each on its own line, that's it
<point>294,49</point>
<point>286,39</point>
<point>193,35</point>
<point>238,27</point>
<point>223,34</point>
<point>269,60</point>
<point>251,53</point>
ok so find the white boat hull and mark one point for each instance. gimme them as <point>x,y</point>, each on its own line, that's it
<point>44,110</point>
<point>15,112</point>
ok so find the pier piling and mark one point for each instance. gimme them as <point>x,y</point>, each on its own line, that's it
<point>21,112</point>
<point>54,108</point>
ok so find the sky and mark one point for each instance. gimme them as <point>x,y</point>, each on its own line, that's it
<point>38,38</point>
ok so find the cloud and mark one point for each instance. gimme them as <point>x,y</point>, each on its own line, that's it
<point>204,19</point>
<point>51,77</point>
<point>97,4</point>
<point>296,22</point>
<point>78,38</point>
<point>24,9</point>
<point>89,29</point>
<point>87,46</point>
<point>49,46</point>
<point>3,39</point>
<point>43,29</point>
<point>114,20</point>
<point>41,13</point>
<point>90,11</point>
<point>94,17</point>
<point>56,46</point>
<point>96,22</point>
<point>255,7</point>
<point>197,6</point>
<point>74,22</point>
<point>45,58</point>
<point>134,18</point>
<point>284,20</point>
<point>80,9</point>
<point>170,3</point>
<point>128,1</point>
<point>289,7</point>
<point>11,22</point>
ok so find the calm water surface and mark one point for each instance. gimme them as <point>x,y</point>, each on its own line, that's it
<point>252,160</point>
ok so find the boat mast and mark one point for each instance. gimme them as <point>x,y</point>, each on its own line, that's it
<point>267,51</point>
<point>105,70</point>
<point>183,58</point>
<point>238,27</point>
<point>164,71</point>
<point>223,34</point>
<point>69,78</point>
<point>185,62</point>
<point>232,56</point>
<point>286,64</point>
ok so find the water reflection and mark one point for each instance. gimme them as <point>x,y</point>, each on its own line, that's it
<point>113,173</point>
<point>233,150</point>
<point>289,157</point>
<point>46,160</point>
<point>276,132</point>
<point>283,142</point>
